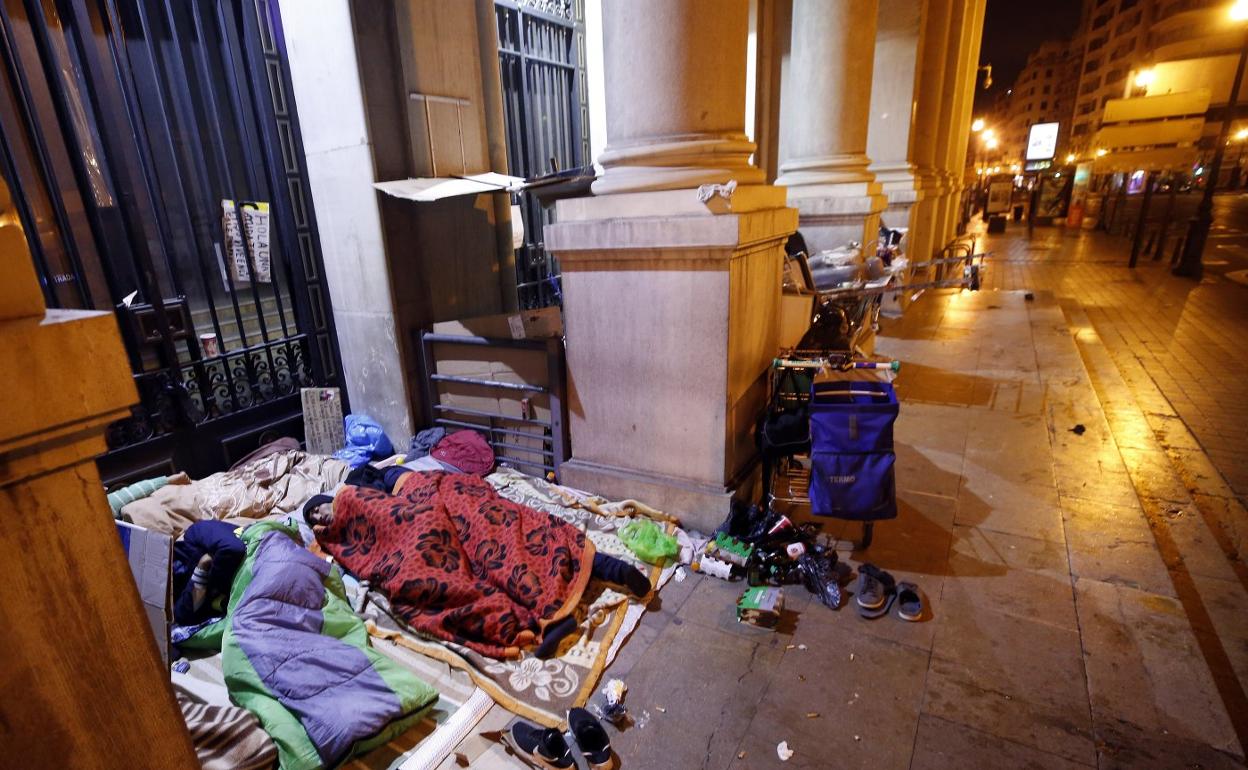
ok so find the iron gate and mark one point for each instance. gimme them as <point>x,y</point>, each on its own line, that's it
<point>134,134</point>
<point>541,49</point>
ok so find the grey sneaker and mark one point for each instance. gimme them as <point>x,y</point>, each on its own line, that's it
<point>876,591</point>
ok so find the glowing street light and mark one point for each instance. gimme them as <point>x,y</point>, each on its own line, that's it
<point>1241,134</point>
<point>1239,11</point>
<point>977,125</point>
<point>991,143</point>
<point>1070,157</point>
<point>1101,152</point>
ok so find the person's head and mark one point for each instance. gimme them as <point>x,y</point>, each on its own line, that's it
<point>319,511</point>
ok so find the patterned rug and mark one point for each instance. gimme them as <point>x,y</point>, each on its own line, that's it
<point>544,690</point>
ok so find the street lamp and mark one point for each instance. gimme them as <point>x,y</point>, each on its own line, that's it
<point>1070,157</point>
<point>984,134</point>
<point>1190,264</point>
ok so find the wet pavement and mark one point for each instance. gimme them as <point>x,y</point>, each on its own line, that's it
<point>1086,603</point>
<point>1083,610</point>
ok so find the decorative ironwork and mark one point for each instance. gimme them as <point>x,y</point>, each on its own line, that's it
<point>167,405</point>
<point>562,9</point>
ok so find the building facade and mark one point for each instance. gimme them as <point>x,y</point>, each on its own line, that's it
<point>1043,93</point>
<point>1113,35</point>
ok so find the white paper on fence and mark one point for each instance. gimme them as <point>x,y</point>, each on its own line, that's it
<point>256,218</point>
<point>427,190</point>
<point>517,227</point>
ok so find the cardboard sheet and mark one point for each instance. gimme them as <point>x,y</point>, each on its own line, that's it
<point>427,190</point>
<point>150,554</point>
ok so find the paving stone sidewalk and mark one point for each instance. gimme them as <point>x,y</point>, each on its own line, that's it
<point>1086,602</point>
<point>1083,613</point>
<point>1189,340</point>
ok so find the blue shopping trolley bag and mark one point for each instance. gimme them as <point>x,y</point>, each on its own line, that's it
<point>851,432</point>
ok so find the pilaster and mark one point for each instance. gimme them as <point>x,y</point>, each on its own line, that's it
<point>83,679</point>
<point>825,106</point>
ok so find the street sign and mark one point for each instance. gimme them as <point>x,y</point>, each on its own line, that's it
<point>1042,141</point>
<point>999,194</point>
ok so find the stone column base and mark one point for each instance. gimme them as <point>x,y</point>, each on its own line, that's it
<point>700,506</point>
<point>672,311</point>
<point>830,216</point>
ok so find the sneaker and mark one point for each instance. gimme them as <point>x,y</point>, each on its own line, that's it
<point>591,739</point>
<point>544,747</point>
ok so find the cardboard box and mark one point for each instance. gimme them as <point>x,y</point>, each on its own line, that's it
<point>504,365</point>
<point>150,554</point>
<point>528,324</point>
<point>796,311</point>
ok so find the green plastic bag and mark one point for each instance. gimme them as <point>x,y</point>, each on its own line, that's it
<point>648,540</point>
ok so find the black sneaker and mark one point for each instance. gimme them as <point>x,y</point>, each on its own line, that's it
<point>544,747</point>
<point>591,739</point>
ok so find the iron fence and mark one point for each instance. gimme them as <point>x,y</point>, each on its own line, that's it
<point>541,47</point>
<point>153,155</point>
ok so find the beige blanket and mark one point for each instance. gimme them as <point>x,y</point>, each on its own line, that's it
<point>274,485</point>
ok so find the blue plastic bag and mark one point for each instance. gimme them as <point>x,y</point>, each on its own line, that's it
<point>365,441</point>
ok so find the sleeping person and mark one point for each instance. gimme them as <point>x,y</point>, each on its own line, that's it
<point>205,560</point>
<point>461,563</point>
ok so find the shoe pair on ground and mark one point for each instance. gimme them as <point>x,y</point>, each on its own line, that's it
<point>546,747</point>
<point>878,590</point>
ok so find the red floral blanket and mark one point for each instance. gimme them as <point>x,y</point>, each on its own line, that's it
<point>460,563</point>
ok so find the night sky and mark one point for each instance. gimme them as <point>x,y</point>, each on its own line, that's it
<point>1013,29</point>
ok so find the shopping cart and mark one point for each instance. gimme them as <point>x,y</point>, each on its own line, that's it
<point>787,463</point>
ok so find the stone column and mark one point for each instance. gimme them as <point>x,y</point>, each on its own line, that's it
<point>961,68</point>
<point>946,129</point>
<point>929,93</point>
<point>893,96</point>
<point>966,78</point>
<point>825,105</point>
<point>84,683</point>
<point>675,100</point>
<point>671,293</point>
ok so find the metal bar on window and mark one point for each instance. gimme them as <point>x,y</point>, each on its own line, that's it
<point>185,113</point>
<point>243,139</point>
<point>179,191</point>
<point>238,117</point>
<point>134,117</point>
<point>29,226</point>
<point>26,106</point>
<point>270,155</point>
<point>144,273</point>
<point>225,178</point>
